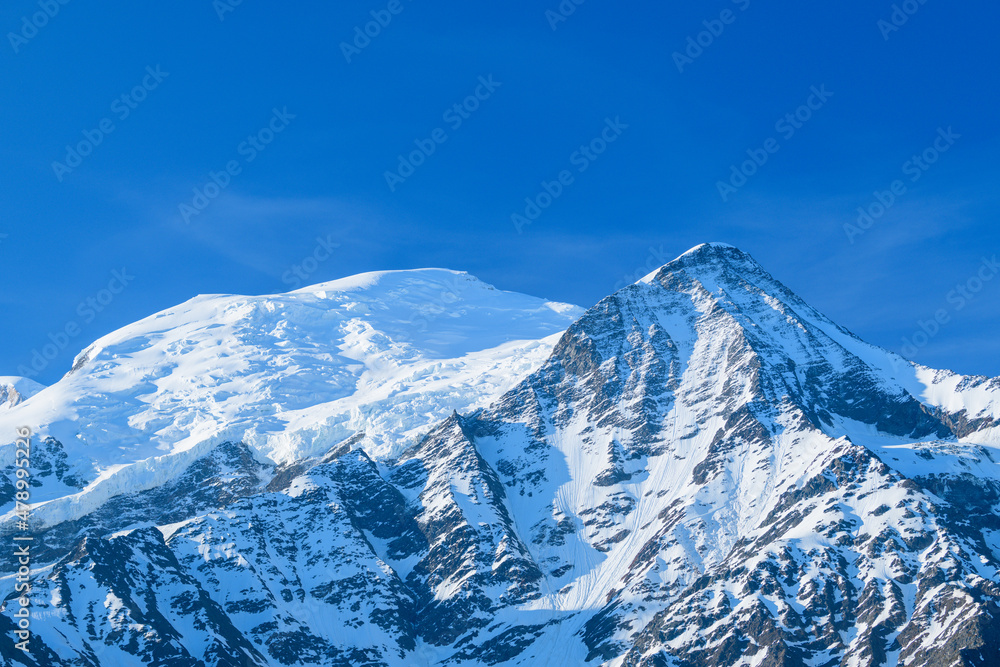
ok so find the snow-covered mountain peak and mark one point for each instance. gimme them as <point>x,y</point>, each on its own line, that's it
<point>718,266</point>
<point>383,354</point>
<point>15,389</point>
<point>395,279</point>
<point>703,256</point>
<point>701,470</point>
<point>704,251</point>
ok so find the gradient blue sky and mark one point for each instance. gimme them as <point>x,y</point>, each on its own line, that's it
<point>649,197</point>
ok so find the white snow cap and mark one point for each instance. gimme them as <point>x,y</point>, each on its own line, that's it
<point>386,354</point>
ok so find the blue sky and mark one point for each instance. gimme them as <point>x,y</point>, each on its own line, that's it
<point>208,86</point>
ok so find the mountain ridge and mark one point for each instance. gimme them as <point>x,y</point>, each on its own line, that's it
<point>703,470</point>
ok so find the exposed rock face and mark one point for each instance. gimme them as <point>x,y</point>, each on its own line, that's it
<point>705,471</point>
<point>14,390</point>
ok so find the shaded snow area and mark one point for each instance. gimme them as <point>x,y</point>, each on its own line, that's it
<point>413,468</point>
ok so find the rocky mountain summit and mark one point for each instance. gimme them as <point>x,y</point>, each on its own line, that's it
<point>701,469</point>
<point>14,389</point>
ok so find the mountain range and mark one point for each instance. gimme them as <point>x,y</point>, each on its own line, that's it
<point>415,468</point>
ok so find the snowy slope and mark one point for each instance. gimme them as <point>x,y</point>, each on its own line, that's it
<point>386,354</point>
<point>703,471</point>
